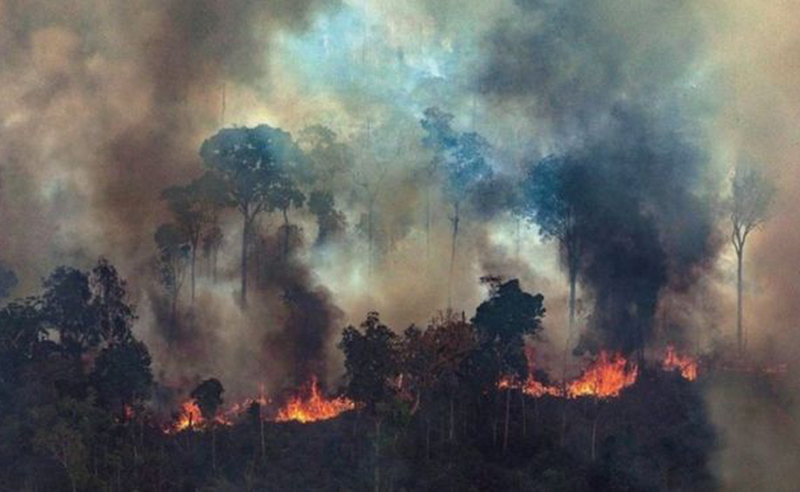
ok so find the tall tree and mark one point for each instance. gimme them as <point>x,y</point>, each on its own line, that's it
<point>172,261</point>
<point>372,365</point>
<point>195,208</point>
<point>547,200</point>
<point>502,322</point>
<point>252,162</point>
<point>752,198</point>
<point>462,156</point>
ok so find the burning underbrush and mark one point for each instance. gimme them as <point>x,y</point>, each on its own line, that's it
<point>306,404</point>
<point>604,377</point>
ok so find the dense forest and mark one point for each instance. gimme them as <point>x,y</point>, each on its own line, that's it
<point>430,410</point>
<point>399,245</point>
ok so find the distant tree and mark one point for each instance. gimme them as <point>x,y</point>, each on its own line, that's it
<point>252,163</point>
<point>195,208</point>
<point>752,198</point>
<point>502,322</point>
<point>208,396</point>
<point>462,157</point>
<point>330,222</point>
<point>8,281</point>
<point>328,157</point>
<point>173,258</point>
<point>212,242</point>
<point>440,139</point>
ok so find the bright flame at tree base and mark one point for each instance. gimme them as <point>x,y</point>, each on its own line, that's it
<point>312,406</point>
<point>605,377</point>
<point>308,405</point>
<point>673,361</point>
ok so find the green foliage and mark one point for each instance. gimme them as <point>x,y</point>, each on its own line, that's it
<point>371,362</point>
<point>252,162</point>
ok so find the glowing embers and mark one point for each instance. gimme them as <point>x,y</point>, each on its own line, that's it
<point>309,405</point>
<point>673,361</point>
<point>606,377</point>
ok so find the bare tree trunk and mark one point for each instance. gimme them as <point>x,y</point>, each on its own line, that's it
<point>740,342</point>
<point>263,441</point>
<point>455,220</point>
<point>213,446</point>
<point>194,262</point>
<point>427,224</point>
<point>594,436</point>
<point>377,455</point>
<point>245,239</point>
<point>524,415</point>
<point>573,277</point>
<point>508,414</point>
<point>427,438</point>
<point>452,429</point>
<point>285,233</point>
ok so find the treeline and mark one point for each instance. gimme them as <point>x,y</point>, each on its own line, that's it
<point>75,410</point>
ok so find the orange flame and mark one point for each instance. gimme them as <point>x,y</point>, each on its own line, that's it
<point>606,377</point>
<point>189,417</point>
<point>313,406</point>
<point>676,362</point>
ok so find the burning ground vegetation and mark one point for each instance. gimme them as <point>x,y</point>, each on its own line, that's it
<point>461,404</point>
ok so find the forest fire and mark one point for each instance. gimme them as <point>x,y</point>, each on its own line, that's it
<point>673,361</point>
<point>310,405</point>
<point>606,377</point>
<point>189,417</point>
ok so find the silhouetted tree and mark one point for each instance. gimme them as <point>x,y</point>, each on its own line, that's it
<point>8,281</point>
<point>172,261</point>
<point>122,375</point>
<point>252,163</point>
<point>752,197</point>
<point>372,365</point>
<point>330,222</point>
<point>502,322</point>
